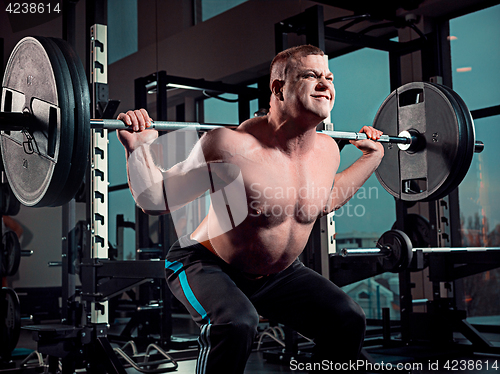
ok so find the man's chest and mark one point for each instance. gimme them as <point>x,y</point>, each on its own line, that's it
<point>281,190</point>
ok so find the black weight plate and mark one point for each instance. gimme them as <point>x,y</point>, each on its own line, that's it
<point>35,81</point>
<point>2,271</point>
<point>10,321</point>
<point>462,132</point>
<point>10,204</point>
<point>428,110</point>
<point>81,146</point>
<point>469,139</point>
<point>418,229</point>
<point>67,127</point>
<point>387,172</point>
<point>11,249</point>
<point>401,250</point>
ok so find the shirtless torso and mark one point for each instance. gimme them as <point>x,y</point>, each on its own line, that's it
<point>285,194</point>
<point>288,171</point>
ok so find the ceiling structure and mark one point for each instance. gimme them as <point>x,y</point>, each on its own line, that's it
<point>384,18</point>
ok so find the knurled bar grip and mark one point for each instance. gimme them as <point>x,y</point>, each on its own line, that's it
<point>362,136</point>
<point>115,124</point>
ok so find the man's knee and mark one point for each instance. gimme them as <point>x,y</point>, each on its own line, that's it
<point>349,316</point>
<point>357,317</point>
<point>236,325</point>
<point>244,324</point>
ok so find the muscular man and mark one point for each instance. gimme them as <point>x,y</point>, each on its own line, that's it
<point>227,278</point>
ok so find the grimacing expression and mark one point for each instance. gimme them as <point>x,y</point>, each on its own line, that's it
<point>309,86</point>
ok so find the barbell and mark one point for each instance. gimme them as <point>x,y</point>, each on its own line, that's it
<point>19,121</point>
<point>396,250</point>
<point>45,130</point>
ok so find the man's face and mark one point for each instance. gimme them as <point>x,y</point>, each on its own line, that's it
<point>309,87</point>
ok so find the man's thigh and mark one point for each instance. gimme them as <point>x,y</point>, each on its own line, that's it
<point>303,300</point>
<point>209,294</point>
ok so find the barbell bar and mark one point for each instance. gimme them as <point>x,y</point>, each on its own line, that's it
<point>386,250</point>
<point>45,130</point>
<point>112,124</point>
<point>24,121</point>
<point>394,250</point>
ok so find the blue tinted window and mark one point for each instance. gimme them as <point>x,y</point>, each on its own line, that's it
<point>212,8</point>
<point>362,83</point>
<point>122,29</point>
<point>475,57</point>
<point>475,41</point>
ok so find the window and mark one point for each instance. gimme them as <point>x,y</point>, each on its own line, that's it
<point>120,202</point>
<point>363,295</point>
<point>475,56</point>
<point>122,29</point>
<point>220,111</point>
<point>212,8</point>
<point>361,88</point>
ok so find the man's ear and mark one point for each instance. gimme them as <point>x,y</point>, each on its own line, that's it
<point>277,88</point>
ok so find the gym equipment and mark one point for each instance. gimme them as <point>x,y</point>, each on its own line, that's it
<point>443,316</point>
<point>439,120</point>
<point>9,205</point>
<point>45,125</point>
<point>396,247</point>
<point>395,252</point>
<point>154,360</point>
<point>11,253</point>
<point>418,229</point>
<point>10,322</point>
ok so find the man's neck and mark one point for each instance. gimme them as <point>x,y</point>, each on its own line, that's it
<point>291,136</point>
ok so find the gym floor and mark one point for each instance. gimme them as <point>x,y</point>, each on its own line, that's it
<point>458,360</point>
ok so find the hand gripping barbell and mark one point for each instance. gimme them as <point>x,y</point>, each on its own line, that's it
<point>45,130</point>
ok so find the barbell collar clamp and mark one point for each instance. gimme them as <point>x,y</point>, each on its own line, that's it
<point>368,252</point>
<point>478,146</point>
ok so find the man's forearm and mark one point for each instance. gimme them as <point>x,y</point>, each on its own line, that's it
<point>145,180</point>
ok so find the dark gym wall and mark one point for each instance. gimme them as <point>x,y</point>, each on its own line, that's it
<point>234,47</point>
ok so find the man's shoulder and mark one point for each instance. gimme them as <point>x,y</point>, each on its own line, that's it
<point>246,134</point>
<point>227,137</point>
<point>325,140</point>
<point>252,124</point>
<point>223,143</point>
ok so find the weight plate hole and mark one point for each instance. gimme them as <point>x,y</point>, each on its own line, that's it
<point>7,106</point>
<point>414,186</point>
<point>411,97</point>
<point>51,146</point>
